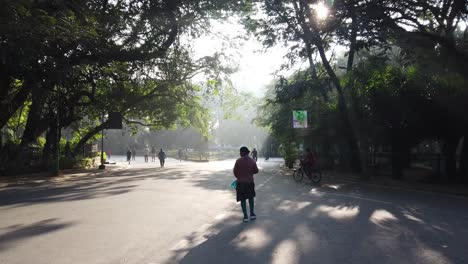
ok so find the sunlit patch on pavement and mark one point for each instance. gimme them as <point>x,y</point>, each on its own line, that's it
<point>307,239</point>
<point>220,216</point>
<point>288,206</point>
<point>413,218</point>
<point>429,255</point>
<point>379,217</point>
<point>252,239</point>
<point>337,212</point>
<point>286,252</point>
<point>333,186</point>
<point>315,192</point>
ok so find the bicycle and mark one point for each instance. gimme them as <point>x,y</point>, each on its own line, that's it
<point>315,177</point>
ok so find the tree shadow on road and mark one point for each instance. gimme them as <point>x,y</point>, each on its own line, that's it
<point>302,224</point>
<point>18,233</point>
<point>79,188</point>
<point>97,185</point>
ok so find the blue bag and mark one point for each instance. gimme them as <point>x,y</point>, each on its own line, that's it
<point>233,184</point>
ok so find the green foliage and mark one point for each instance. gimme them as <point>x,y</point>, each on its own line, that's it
<point>41,141</point>
<point>290,153</point>
<point>99,155</point>
<point>64,163</point>
<point>17,122</point>
<point>87,163</point>
<point>83,59</point>
<point>276,114</point>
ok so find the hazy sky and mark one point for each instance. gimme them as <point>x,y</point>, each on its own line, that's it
<point>256,65</point>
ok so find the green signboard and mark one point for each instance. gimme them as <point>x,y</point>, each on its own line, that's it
<point>300,119</point>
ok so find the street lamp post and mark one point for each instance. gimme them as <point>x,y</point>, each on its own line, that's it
<point>57,153</point>
<point>102,166</point>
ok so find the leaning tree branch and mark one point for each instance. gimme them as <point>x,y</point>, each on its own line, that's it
<point>128,121</point>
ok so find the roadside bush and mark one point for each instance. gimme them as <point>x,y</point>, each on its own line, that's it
<point>289,153</point>
<point>99,156</point>
<point>87,163</point>
<point>65,163</point>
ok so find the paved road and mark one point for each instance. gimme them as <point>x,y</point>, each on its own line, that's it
<point>185,213</point>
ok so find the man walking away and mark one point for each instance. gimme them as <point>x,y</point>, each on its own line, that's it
<point>129,156</point>
<point>244,169</point>
<point>180,155</point>
<point>162,157</point>
<point>133,154</point>
<point>147,152</point>
<point>254,154</point>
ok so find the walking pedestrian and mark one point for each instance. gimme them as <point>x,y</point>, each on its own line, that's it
<point>162,157</point>
<point>133,153</point>
<point>129,156</point>
<point>244,169</point>
<point>254,154</point>
<point>179,154</point>
<point>147,152</point>
<point>153,154</point>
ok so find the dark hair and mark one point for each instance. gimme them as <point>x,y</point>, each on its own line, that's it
<point>244,150</point>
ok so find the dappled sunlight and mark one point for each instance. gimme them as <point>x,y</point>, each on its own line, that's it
<point>307,239</point>
<point>285,252</point>
<point>321,10</point>
<point>441,229</point>
<point>381,216</point>
<point>337,212</point>
<point>413,218</point>
<point>333,186</point>
<point>429,255</point>
<point>252,239</point>
<point>315,192</point>
<point>288,206</point>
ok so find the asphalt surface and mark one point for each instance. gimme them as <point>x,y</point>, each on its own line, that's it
<point>186,213</point>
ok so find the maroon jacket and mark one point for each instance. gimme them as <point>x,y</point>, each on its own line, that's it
<point>245,168</point>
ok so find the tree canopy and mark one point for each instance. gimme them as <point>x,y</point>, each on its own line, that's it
<point>64,63</point>
<point>407,98</point>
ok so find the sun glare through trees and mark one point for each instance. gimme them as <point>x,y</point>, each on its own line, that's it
<point>147,131</point>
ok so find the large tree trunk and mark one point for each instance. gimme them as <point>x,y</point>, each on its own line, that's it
<point>449,151</point>
<point>79,146</point>
<point>358,143</point>
<point>361,144</point>
<point>356,139</point>
<point>35,125</point>
<point>353,158</point>
<point>49,152</point>
<point>463,172</point>
<point>397,158</point>
<point>357,147</point>
<point>9,107</point>
<point>358,157</point>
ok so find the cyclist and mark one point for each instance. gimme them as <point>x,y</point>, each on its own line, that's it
<point>308,162</point>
